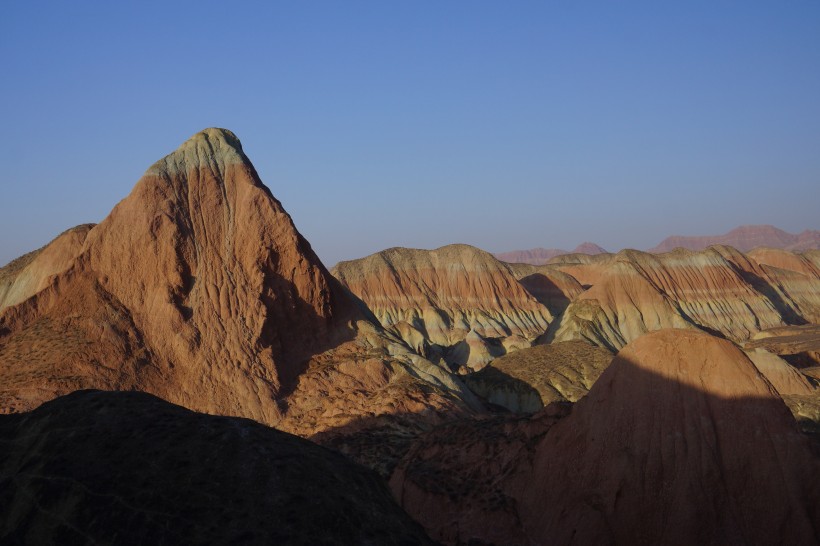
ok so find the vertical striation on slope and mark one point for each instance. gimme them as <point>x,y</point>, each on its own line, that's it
<point>718,290</point>
<point>456,297</point>
<point>199,289</point>
<point>33,272</point>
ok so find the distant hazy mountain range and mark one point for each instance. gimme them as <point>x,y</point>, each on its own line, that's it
<point>540,256</point>
<point>743,238</point>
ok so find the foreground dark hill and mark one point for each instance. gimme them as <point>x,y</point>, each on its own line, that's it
<point>198,288</point>
<point>127,468</point>
<point>680,441</point>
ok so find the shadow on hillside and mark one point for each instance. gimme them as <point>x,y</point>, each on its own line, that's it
<point>546,292</point>
<point>97,467</point>
<point>501,390</point>
<point>634,462</point>
<point>308,333</point>
<point>642,459</point>
<point>788,313</point>
<point>380,441</point>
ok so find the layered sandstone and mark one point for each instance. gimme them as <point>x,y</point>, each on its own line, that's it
<point>124,467</point>
<point>586,269</point>
<point>680,441</point>
<point>794,277</point>
<point>784,377</point>
<point>719,290</point>
<point>33,272</point>
<point>799,345</point>
<point>457,301</point>
<point>549,285</point>
<point>199,289</point>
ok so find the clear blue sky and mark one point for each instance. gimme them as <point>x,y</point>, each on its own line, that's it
<point>504,125</point>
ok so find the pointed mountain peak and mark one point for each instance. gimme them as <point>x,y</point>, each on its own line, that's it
<point>212,147</point>
<point>589,248</point>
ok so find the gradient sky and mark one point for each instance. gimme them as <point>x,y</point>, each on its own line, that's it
<point>505,125</point>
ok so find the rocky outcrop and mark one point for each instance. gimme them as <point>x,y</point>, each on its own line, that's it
<point>455,479</point>
<point>783,376</point>
<point>745,238</point>
<point>680,441</point>
<point>798,345</point>
<point>456,301</point>
<point>114,467</point>
<point>549,285</point>
<point>199,289</point>
<point>586,269</point>
<point>33,272</point>
<point>530,379</point>
<point>795,279</point>
<point>718,290</point>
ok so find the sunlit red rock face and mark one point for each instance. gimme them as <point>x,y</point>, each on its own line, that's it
<point>745,238</point>
<point>34,271</point>
<point>719,290</point>
<point>458,298</point>
<point>205,276</point>
<point>199,289</point>
<point>681,441</point>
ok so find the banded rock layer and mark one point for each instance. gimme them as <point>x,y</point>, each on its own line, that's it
<point>457,301</point>
<point>719,290</point>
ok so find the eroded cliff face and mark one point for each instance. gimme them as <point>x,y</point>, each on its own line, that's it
<point>719,290</point>
<point>552,287</point>
<point>681,440</point>
<point>33,272</point>
<point>198,288</point>
<point>457,301</point>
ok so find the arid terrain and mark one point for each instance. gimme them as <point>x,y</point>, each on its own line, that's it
<point>188,370</point>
